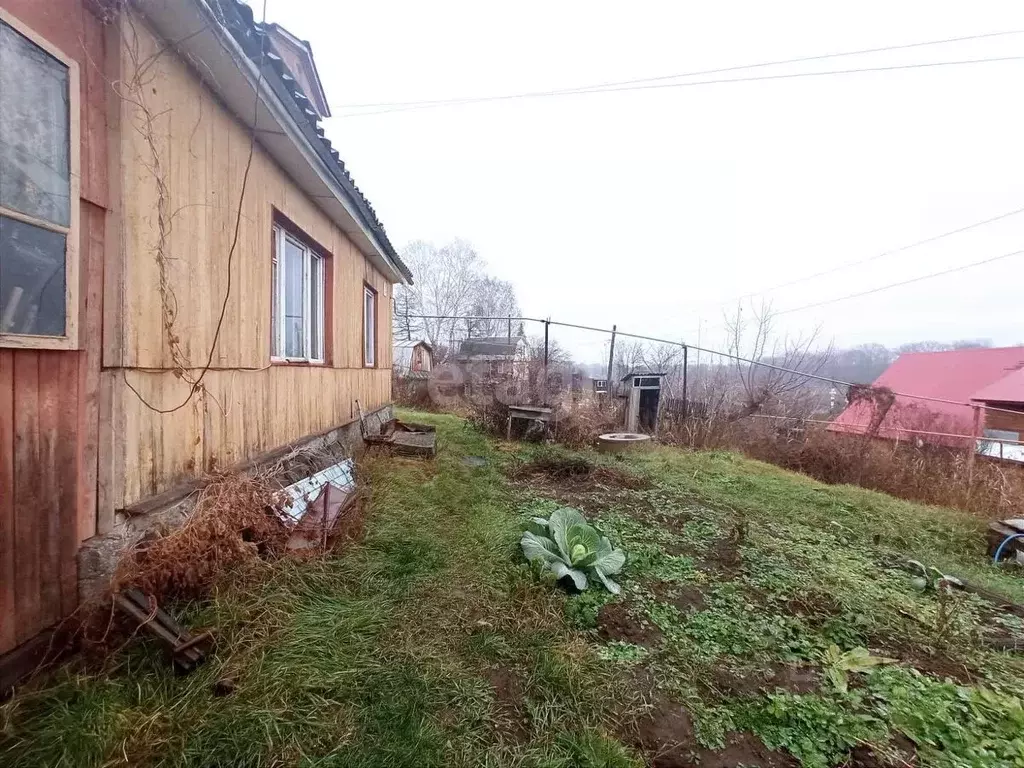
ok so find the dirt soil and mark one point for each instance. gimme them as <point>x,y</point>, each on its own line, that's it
<point>615,622</point>
<point>666,735</point>
<point>510,715</point>
<point>753,682</point>
<point>866,756</point>
<point>685,598</point>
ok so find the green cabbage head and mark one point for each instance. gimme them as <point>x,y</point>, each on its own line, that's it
<point>569,546</point>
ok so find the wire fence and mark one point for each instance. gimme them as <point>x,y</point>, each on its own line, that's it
<point>544,361</point>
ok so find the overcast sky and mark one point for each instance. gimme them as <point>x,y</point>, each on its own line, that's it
<point>655,209</point>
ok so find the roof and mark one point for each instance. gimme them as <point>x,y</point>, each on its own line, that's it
<point>285,43</point>
<point>413,343</point>
<point>957,376</point>
<point>631,374</point>
<point>239,56</point>
<point>1009,389</point>
<point>494,348</point>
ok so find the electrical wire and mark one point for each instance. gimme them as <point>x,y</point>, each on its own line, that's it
<point>598,87</point>
<point>901,283</point>
<point>869,259</point>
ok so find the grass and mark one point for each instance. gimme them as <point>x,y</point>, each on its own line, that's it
<point>431,644</point>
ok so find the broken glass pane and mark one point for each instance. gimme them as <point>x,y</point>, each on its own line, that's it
<point>32,284</point>
<point>34,130</point>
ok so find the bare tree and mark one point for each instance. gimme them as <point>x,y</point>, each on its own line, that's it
<point>451,284</point>
<point>772,368</point>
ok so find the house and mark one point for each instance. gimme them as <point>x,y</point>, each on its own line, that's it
<point>190,280</point>
<point>961,387</point>
<point>1003,424</point>
<point>413,358</point>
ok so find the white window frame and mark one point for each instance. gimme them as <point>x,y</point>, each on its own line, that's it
<point>314,278</point>
<point>71,232</point>
<point>369,328</point>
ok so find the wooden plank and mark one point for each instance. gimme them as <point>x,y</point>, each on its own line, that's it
<point>28,534</point>
<point>53,475</point>
<point>88,370</point>
<point>69,466</point>
<point>8,637</point>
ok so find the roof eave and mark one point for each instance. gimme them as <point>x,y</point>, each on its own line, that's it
<point>293,143</point>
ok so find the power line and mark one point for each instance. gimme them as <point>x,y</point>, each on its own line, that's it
<point>701,82</point>
<point>902,282</point>
<point>699,73</point>
<point>877,256</point>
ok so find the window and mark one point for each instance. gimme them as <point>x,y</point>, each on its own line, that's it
<point>369,326</point>
<point>38,191</point>
<point>297,306</point>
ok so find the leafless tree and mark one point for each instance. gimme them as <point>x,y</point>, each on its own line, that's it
<point>773,368</point>
<point>451,283</point>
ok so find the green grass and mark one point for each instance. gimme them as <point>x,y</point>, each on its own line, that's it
<point>431,644</point>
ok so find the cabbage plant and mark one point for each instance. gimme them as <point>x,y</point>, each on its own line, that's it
<point>569,546</point>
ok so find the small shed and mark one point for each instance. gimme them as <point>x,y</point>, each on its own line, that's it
<point>642,392</point>
<point>413,358</point>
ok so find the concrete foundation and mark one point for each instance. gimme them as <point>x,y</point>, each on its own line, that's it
<point>98,556</point>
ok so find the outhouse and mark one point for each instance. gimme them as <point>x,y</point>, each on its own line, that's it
<point>642,392</point>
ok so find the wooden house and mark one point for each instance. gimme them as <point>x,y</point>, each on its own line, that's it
<point>413,358</point>
<point>189,277</point>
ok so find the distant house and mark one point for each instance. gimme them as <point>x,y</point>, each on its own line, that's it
<point>494,356</point>
<point>413,358</point>
<point>958,384</point>
<point>1003,424</point>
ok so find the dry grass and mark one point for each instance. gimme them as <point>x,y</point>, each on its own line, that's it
<point>928,473</point>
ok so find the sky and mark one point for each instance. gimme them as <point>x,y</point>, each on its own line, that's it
<point>657,209</point>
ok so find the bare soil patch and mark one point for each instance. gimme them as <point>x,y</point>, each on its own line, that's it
<point>753,682</point>
<point>902,753</point>
<point>510,715</point>
<point>685,598</point>
<point>615,622</point>
<point>666,735</point>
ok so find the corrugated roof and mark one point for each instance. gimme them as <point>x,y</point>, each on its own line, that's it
<point>499,346</point>
<point>1009,389</point>
<point>239,20</point>
<point>955,375</point>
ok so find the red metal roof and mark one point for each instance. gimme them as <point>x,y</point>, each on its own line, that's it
<point>958,375</point>
<point>1009,389</point>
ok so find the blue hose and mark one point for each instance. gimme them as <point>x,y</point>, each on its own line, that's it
<point>1003,543</point>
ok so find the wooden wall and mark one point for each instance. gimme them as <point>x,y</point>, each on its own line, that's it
<point>249,406</point>
<point>48,399</point>
<point>1000,419</point>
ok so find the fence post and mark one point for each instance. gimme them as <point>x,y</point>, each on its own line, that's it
<point>544,389</point>
<point>611,360</point>
<point>686,403</point>
<point>971,457</point>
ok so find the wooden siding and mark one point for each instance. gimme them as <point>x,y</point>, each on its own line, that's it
<point>48,418</point>
<point>1010,422</point>
<point>249,406</point>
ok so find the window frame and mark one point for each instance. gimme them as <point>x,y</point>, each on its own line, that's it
<point>283,229</point>
<point>371,292</point>
<point>71,232</point>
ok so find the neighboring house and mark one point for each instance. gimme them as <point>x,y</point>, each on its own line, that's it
<point>153,327</point>
<point>493,355</point>
<point>956,382</point>
<point>413,358</point>
<point>1003,424</point>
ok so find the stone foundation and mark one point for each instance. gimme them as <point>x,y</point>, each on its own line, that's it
<point>98,556</point>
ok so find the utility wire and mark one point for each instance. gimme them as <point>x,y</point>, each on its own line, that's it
<point>901,283</point>
<point>877,256</point>
<point>698,73</point>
